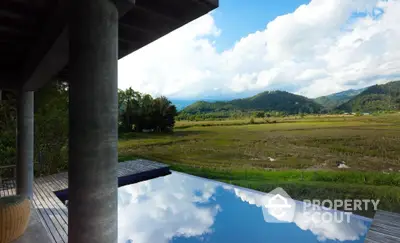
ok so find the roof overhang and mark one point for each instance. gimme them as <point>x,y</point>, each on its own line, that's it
<point>34,37</point>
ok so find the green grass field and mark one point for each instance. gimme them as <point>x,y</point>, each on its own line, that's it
<point>299,154</point>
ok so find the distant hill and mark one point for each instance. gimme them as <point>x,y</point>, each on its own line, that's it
<point>266,101</point>
<point>334,100</point>
<point>181,104</point>
<point>375,98</point>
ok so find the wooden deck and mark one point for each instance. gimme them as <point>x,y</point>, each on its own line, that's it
<point>53,213</point>
<point>385,228</point>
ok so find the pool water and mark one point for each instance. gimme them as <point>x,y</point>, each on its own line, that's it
<point>181,208</point>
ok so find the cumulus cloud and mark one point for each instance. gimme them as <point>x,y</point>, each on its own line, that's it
<point>322,47</point>
<point>179,205</point>
<point>323,229</point>
<point>160,209</point>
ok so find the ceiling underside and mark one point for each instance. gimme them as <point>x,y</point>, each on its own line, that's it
<point>34,37</point>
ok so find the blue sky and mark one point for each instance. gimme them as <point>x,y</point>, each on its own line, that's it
<point>238,18</point>
<point>311,48</point>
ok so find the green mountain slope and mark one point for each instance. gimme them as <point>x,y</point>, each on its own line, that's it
<point>266,101</point>
<point>334,100</point>
<point>375,98</point>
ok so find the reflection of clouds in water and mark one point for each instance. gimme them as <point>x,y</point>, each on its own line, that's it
<point>158,210</point>
<point>323,230</point>
<point>331,230</point>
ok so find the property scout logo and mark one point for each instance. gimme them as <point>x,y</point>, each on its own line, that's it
<point>279,207</point>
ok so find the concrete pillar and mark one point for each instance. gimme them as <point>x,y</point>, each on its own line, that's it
<point>92,208</point>
<point>25,143</point>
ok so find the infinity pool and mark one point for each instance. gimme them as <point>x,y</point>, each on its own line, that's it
<point>181,208</point>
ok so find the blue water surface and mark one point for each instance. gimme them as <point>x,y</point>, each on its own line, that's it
<point>181,208</point>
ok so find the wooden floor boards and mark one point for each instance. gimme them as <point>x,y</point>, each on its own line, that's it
<point>52,213</point>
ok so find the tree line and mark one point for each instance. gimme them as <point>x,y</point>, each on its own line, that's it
<point>223,115</point>
<point>137,113</point>
<point>141,112</point>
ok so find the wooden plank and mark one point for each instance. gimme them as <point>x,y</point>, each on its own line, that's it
<point>46,221</point>
<point>51,183</point>
<point>61,180</point>
<point>49,194</point>
<point>48,216</point>
<point>52,213</point>
<point>56,214</point>
<point>385,228</point>
<point>10,190</point>
<point>56,202</point>
<point>138,166</point>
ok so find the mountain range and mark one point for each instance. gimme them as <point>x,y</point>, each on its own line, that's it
<point>370,99</point>
<point>269,101</point>
<point>334,100</point>
<point>374,98</point>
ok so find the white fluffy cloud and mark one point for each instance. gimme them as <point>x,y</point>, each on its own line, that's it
<point>180,205</point>
<point>322,229</point>
<point>320,48</point>
<point>164,208</point>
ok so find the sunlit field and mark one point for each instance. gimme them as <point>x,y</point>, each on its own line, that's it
<point>296,153</point>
